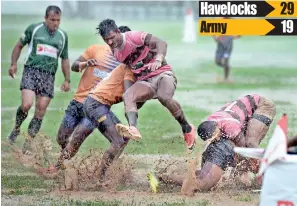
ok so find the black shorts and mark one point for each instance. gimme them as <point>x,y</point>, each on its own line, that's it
<point>41,82</point>
<point>99,114</point>
<point>74,114</point>
<point>224,50</point>
<point>220,153</point>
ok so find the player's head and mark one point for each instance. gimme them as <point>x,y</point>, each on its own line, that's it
<point>52,17</point>
<point>124,29</point>
<point>206,129</point>
<point>110,33</point>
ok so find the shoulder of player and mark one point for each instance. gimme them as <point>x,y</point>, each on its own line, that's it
<point>63,32</point>
<point>35,25</point>
<point>99,47</point>
<point>133,33</point>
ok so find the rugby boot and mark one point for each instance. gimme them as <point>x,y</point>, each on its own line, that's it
<point>130,132</point>
<point>13,136</point>
<point>190,139</point>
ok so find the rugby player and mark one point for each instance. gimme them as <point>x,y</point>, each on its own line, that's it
<point>46,43</point>
<point>223,52</point>
<point>97,109</point>
<point>145,54</point>
<point>75,122</point>
<point>243,123</point>
<point>96,63</point>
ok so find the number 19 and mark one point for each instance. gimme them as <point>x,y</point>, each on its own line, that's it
<point>288,26</point>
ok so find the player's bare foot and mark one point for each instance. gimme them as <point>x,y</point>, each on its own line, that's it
<point>130,132</point>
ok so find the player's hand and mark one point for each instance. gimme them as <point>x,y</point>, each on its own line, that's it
<point>12,70</point>
<point>92,62</point>
<point>154,66</point>
<point>65,86</point>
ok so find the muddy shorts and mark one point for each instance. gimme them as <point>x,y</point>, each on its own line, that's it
<point>266,108</point>
<point>99,114</point>
<point>224,48</point>
<point>220,153</point>
<point>74,114</point>
<point>41,82</point>
<point>154,82</point>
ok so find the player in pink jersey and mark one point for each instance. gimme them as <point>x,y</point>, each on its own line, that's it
<point>244,123</point>
<point>145,54</point>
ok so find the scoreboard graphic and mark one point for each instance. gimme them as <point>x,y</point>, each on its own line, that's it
<point>247,18</point>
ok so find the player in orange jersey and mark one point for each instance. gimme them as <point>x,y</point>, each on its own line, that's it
<point>96,63</point>
<point>97,109</point>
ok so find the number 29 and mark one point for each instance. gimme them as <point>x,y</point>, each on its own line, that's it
<point>288,8</point>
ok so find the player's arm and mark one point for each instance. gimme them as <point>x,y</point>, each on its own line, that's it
<point>65,69</point>
<point>81,63</point>
<point>65,66</point>
<point>16,52</point>
<point>157,45</point>
<point>86,59</point>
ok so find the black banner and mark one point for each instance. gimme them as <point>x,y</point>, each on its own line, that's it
<point>234,8</point>
<point>283,27</point>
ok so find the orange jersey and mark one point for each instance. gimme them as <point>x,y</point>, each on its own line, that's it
<point>93,75</point>
<point>111,89</point>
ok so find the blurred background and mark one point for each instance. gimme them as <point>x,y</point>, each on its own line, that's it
<point>266,65</point>
<point>124,10</point>
<point>259,64</point>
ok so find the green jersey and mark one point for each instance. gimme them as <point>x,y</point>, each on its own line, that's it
<point>44,48</point>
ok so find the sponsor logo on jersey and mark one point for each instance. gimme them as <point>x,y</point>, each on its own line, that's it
<point>47,50</point>
<point>100,73</point>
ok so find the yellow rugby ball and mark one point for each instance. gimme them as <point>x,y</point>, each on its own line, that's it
<point>154,182</point>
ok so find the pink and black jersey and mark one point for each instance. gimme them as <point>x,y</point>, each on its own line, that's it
<point>232,117</point>
<point>135,54</point>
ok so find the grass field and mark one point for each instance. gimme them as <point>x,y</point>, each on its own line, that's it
<point>264,65</point>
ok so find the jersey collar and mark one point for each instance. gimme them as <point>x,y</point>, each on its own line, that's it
<point>48,31</point>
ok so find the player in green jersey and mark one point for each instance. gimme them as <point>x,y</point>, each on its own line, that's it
<point>46,43</point>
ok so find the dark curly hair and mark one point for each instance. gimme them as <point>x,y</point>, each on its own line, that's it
<point>124,29</point>
<point>106,26</point>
